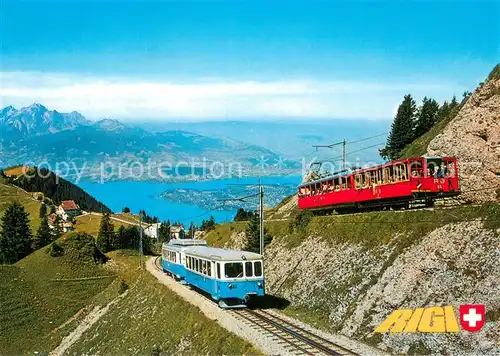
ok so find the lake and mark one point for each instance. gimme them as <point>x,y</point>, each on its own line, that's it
<point>139,195</point>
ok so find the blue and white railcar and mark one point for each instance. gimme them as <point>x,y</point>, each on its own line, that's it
<point>229,276</point>
<point>173,257</point>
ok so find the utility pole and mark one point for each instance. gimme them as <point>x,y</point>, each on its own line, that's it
<point>261,217</point>
<point>140,240</point>
<point>344,155</point>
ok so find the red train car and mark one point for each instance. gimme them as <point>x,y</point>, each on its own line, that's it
<point>394,184</point>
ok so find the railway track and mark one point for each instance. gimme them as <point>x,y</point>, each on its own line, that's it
<point>297,339</point>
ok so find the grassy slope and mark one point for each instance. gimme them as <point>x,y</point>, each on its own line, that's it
<point>9,193</point>
<point>90,223</point>
<point>152,319</point>
<point>34,303</point>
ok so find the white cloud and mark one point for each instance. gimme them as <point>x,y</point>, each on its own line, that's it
<point>124,98</point>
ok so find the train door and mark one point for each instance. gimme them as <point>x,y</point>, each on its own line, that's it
<point>217,279</point>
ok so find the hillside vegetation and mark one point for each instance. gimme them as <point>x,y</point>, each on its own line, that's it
<point>151,319</point>
<point>9,193</point>
<point>40,293</point>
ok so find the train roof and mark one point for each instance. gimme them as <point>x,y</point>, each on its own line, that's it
<point>222,254</point>
<point>181,245</point>
<point>187,242</point>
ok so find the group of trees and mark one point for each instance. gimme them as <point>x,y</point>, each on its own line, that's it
<point>124,238</point>
<point>243,215</point>
<point>57,189</point>
<point>148,219</point>
<point>16,238</point>
<point>208,225</point>
<point>411,122</point>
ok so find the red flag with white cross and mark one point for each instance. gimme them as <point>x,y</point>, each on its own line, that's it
<point>472,316</point>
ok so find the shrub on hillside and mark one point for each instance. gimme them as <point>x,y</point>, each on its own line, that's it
<point>301,220</point>
<point>77,247</point>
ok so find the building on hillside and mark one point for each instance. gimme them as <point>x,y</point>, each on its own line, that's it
<point>67,226</point>
<point>177,232</point>
<point>51,219</point>
<point>68,209</point>
<point>151,230</point>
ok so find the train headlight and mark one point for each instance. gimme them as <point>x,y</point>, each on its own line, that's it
<point>230,286</point>
<point>259,284</point>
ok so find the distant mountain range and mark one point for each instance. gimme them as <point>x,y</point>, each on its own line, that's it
<point>35,134</point>
<point>36,119</point>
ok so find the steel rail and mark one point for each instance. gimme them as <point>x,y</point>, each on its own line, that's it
<point>302,330</point>
<point>273,332</point>
<point>299,333</point>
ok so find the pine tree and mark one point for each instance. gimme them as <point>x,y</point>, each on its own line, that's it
<point>401,129</point>
<point>43,211</point>
<point>120,239</point>
<point>252,233</point>
<point>16,237</point>
<point>57,231</point>
<point>43,235</point>
<point>105,237</point>
<point>192,229</point>
<point>427,115</point>
<point>164,232</point>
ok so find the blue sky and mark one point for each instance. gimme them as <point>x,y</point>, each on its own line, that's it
<point>243,59</point>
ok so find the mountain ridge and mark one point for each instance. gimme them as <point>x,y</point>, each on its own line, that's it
<point>36,135</point>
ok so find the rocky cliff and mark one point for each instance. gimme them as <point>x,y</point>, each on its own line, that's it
<point>473,137</point>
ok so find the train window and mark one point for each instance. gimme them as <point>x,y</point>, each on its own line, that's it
<point>331,186</point>
<point>218,270</point>
<point>373,177</point>
<point>233,270</point>
<point>366,181</point>
<point>196,265</point>
<point>209,268</point>
<point>204,267</point>
<point>385,175</point>
<point>449,169</point>
<point>359,180</point>
<point>258,268</point>
<point>338,183</point>
<point>248,269</point>
<point>416,169</point>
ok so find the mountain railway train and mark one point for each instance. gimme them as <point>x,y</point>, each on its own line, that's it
<point>230,277</point>
<point>395,184</point>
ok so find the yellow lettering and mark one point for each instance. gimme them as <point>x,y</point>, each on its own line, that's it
<point>395,322</point>
<point>412,325</point>
<point>451,320</point>
<point>432,321</point>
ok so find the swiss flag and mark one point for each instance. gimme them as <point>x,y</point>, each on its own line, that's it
<point>472,316</point>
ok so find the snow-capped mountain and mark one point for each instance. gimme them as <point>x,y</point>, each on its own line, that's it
<point>36,120</point>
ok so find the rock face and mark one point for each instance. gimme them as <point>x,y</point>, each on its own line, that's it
<point>355,288</point>
<point>473,137</point>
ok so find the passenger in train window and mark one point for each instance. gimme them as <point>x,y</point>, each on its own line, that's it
<point>209,268</point>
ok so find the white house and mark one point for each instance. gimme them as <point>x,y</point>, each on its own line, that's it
<point>152,230</point>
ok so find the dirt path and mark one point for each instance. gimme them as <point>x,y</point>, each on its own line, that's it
<point>84,325</point>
